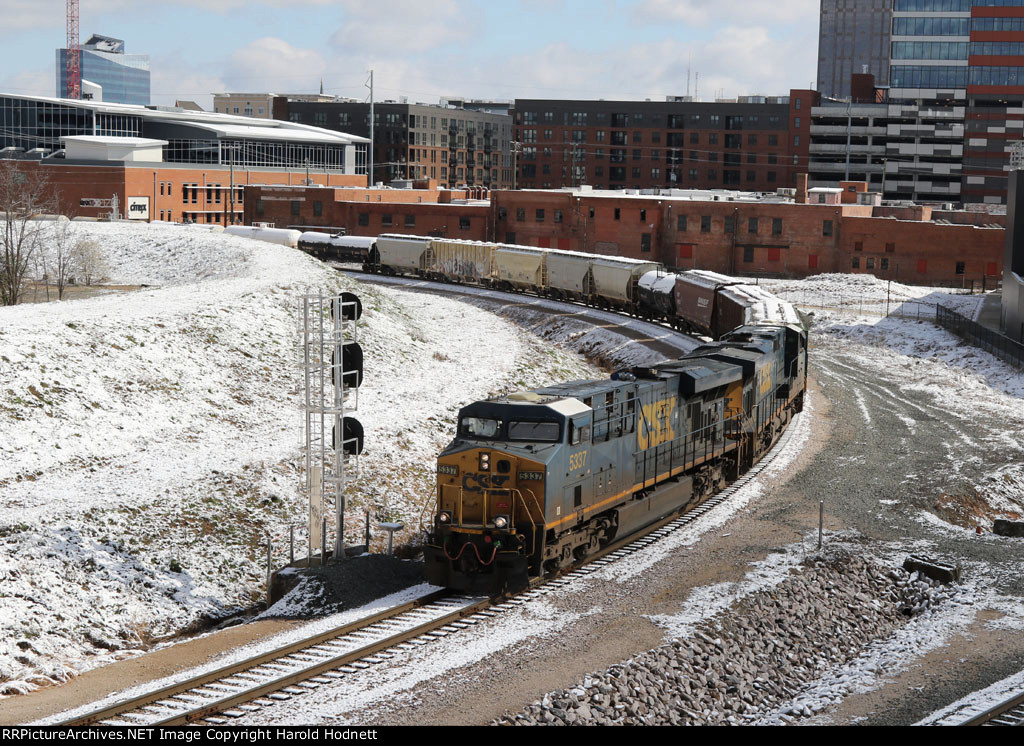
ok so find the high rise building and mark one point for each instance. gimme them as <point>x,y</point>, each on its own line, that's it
<point>108,74</point>
<point>954,103</point>
<point>853,35</point>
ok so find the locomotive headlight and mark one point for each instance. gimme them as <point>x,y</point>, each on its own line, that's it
<point>445,516</point>
<point>501,521</point>
<point>485,462</point>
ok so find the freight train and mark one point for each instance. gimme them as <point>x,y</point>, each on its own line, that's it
<point>537,480</point>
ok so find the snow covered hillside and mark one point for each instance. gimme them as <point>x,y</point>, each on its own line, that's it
<point>149,441</point>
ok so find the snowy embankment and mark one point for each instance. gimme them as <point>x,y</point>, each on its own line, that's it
<point>870,295</point>
<point>150,441</point>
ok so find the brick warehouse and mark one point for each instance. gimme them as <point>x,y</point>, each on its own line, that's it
<point>727,232</point>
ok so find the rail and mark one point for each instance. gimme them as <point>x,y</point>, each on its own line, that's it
<point>998,344</point>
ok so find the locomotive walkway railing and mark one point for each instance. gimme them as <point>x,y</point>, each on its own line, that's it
<point>999,345</point>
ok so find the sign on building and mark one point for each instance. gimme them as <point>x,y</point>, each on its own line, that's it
<point>138,208</point>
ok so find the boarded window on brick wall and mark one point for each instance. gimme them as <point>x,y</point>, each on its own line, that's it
<point>774,254</point>
<point>890,248</point>
<point>684,250</point>
<point>922,266</point>
<point>990,269</point>
<point>812,261</point>
<point>858,246</point>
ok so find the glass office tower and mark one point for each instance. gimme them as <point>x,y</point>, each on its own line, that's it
<point>124,78</point>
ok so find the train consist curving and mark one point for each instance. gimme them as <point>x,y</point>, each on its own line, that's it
<point>537,480</point>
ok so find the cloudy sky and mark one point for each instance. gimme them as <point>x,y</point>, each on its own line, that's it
<point>424,49</point>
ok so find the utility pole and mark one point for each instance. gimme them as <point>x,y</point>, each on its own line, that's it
<point>370,181</point>
<point>849,126</point>
<point>516,148</point>
<point>231,196</point>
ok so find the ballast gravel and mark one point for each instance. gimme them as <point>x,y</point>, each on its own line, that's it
<point>753,659</point>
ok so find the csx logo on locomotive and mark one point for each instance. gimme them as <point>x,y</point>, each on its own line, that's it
<point>656,427</point>
<point>479,482</point>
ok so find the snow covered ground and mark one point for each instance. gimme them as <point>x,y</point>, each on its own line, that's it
<point>869,295</point>
<point>149,441</point>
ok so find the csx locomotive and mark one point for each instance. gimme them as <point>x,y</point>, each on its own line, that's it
<point>536,480</point>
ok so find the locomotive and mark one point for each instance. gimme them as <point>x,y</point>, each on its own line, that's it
<point>537,480</point>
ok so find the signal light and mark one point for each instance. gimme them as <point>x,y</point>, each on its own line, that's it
<point>352,432</point>
<point>347,306</point>
<point>350,372</point>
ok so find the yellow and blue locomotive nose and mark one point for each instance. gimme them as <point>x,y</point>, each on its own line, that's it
<point>489,506</point>
<point>484,488</point>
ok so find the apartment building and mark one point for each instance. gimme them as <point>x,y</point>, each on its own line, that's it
<point>753,143</point>
<point>455,146</point>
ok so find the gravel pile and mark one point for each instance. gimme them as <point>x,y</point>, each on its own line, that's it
<point>753,660</point>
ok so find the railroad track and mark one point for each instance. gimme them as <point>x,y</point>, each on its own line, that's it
<point>219,696</point>
<point>1010,712</point>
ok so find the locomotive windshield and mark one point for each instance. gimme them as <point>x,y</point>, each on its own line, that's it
<point>479,427</point>
<point>487,428</point>
<point>545,432</point>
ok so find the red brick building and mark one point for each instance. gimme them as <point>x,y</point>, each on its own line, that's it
<point>459,213</point>
<point>727,232</point>
<point>166,191</point>
<point>754,143</point>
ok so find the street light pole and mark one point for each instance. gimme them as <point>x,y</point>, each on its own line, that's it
<point>516,149</point>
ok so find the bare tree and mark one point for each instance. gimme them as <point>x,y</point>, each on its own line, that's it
<point>62,260</point>
<point>24,194</point>
<point>89,261</point>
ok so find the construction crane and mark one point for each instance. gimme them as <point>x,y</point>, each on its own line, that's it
<point>73,87</point>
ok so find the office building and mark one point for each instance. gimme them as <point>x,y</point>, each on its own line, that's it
<point>108,74</point>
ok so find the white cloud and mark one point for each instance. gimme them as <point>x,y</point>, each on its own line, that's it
<point>23,15</point>
<point>39,82</point>
<point>174,79</point>
<point>272,64</point>
<point>709,11</point>
<point>401,27</point>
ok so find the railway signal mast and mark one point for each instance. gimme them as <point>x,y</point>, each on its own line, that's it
<point>332,360</point>
<point>73,83</point>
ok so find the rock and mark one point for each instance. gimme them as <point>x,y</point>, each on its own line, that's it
<point>1008,528</point>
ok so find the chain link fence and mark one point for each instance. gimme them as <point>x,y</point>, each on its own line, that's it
<point>999,345</point>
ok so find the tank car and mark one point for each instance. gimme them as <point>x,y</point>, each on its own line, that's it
<point>536,480</point>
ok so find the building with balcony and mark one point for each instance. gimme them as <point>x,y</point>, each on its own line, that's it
<point>455,146</point>
<point>754,143</point>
